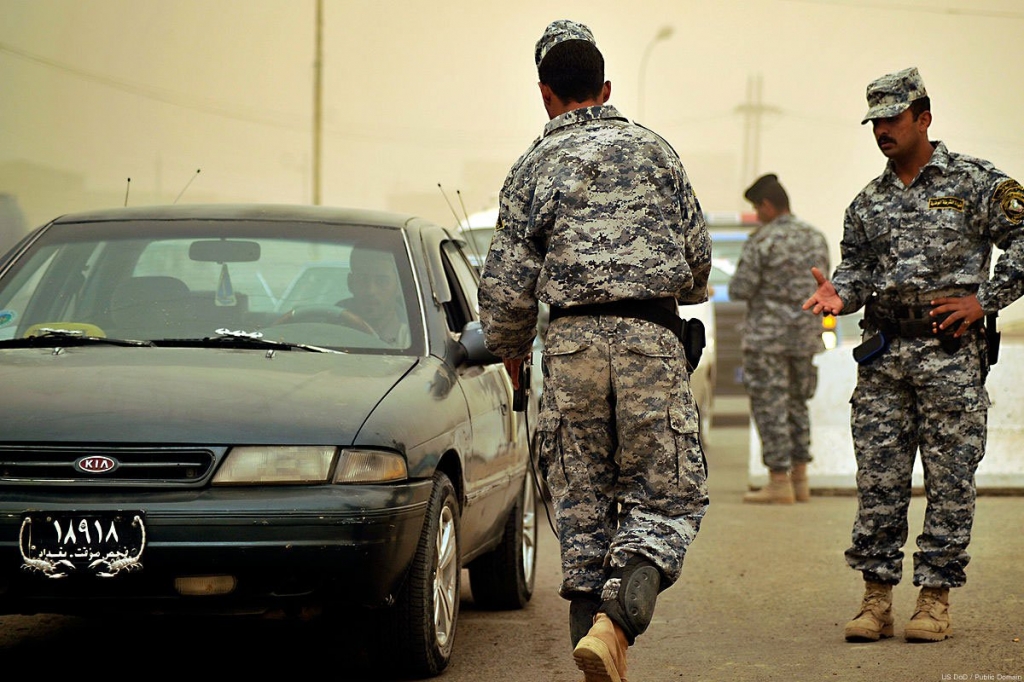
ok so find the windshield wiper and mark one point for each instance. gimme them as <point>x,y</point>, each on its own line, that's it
<point>244,339</point>
<point>48,336</point>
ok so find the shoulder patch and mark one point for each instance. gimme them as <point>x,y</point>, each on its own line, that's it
<point>1010,197</point>
<point>954,203</point>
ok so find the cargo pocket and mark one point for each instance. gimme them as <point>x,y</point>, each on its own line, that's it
<point>691,464</point>
<point>549,452</point>
<point>809,384</point>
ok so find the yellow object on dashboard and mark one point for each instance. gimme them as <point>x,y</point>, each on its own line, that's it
<point>82,328</point>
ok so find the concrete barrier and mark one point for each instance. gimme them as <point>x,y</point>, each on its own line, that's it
<point>834,467</point>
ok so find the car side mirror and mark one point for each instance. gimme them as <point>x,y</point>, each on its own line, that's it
<point>472,340</point>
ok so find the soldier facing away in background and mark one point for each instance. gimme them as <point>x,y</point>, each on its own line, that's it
<point>916,254</point>
<point>779,338</point>
<point>599,220</point>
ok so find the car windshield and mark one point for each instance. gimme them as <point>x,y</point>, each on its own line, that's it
<point>344,287</point>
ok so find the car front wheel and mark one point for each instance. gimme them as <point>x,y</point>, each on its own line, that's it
<point>504,577</point>
<point>427,609</point>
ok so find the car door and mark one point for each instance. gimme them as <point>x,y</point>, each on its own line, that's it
<point>495,455</point>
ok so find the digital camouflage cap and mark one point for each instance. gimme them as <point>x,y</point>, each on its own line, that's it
<point>559,31</point>
<point>892,94</point>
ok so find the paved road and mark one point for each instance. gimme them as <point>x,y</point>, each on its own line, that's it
<point>764,596</point>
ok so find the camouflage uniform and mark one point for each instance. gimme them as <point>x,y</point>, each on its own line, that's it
<point>601,210</point>
<point>779,337</point>
<point>903,246</point>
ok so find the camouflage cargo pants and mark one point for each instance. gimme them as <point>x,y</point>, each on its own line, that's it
<point>779,387</point>
<point>620,448</point>
<point>917,396</point>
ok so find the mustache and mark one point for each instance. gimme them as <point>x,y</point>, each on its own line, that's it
<point>884,139</point>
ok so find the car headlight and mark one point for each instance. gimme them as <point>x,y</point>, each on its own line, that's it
<point>276,464</point>
<point>370,466</point>
<point>247,465</point>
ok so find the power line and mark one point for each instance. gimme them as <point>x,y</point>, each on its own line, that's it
<point>952,11</point>
<point>443,138</point>
<point>280,120</point>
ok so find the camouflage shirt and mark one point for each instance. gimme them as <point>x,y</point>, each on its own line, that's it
<point>597,210</point>
<point>935,237</point>
<point>773,276</point>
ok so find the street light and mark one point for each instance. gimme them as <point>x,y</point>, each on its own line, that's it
<point>664,33</point>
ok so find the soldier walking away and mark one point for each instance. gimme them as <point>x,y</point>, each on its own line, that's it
<point>599,220</point>
<point>916,254</point>
<point>780,339</point>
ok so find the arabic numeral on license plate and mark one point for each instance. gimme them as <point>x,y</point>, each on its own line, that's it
<point>70,536</point>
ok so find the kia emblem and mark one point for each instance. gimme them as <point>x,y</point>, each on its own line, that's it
<point>96,464</point>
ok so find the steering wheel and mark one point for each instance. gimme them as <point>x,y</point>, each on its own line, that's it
<point>326,313</point>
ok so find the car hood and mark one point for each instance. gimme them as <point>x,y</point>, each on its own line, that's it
<point>190,395</point>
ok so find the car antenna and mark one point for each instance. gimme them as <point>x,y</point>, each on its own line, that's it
<point>128,187</point>
<point>476,251</point>
<point>451,208</point>
<point>187,184</point>
<point>472,242</point>
<point>463,205</point>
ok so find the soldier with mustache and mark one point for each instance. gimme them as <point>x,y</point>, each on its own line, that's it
<point>916,254</point>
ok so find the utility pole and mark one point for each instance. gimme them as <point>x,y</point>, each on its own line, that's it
<point>753,111</point>
<point>664,33</point>
<point>317,100</point>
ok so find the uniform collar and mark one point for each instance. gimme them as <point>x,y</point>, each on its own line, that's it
<point>940,158</point>
<point>582,115</point>
<point>940,161</point>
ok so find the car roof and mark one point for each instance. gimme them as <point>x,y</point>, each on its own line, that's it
<point>268,212</point>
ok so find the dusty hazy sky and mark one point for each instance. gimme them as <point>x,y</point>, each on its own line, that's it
<point>418,93</point>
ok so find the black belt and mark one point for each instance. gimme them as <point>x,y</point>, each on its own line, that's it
<point>660,311</point>
<point>912,312</point>
<point>912,322</point>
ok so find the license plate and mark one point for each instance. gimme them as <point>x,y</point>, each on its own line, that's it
<point>57,545</point>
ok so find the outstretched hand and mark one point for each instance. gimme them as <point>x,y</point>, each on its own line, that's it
<point>825,299</point>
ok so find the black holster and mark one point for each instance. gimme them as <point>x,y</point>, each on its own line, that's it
<point>992,338</point>
<point>694,340</point>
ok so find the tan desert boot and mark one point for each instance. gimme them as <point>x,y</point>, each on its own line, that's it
<point>778,491</point>
<point>601,654</point>
<point>801,488</point>
<point>874,620</point>
<point>931,621</point>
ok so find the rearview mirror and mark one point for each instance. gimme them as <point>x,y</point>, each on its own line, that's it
<point>224,251</point>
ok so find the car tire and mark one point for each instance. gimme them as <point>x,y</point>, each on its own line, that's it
<point>426,612</point>
<point>503,578</point>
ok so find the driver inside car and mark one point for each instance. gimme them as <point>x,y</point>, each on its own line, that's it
<point>376,296</point>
